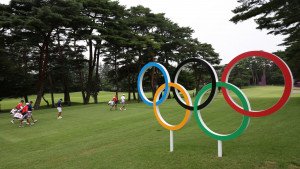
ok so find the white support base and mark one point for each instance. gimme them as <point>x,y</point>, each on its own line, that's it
<point>171,141</point>
<point>219,148</point>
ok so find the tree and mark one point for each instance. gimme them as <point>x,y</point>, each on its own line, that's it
<point>103,14</point>
<point>194,48</point>
<point>105,84</point>
<point>173,39</point>
<point>77,33</point>
<point>253,70</point>
<point>143,23</point>
<point>15,56</point>
<point>243,73</point>
<point>45,37</point>
<point>279,17</point>
<point>39,19</point>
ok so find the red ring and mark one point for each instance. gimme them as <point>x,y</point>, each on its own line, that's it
<point>288,79</point>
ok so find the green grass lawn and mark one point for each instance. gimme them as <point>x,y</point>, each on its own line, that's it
<point>76,98</point>
<point>91,136</point>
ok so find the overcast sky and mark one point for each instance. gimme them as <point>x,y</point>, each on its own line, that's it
<point>210,21</point>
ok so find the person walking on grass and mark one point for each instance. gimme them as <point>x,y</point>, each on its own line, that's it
<point>123,102</point>
<point>19,109</point>
<point>59,108</point>
<point>25,115</point>
<point>30,111</point>
<point>20,105</point>
<point>115,104</point>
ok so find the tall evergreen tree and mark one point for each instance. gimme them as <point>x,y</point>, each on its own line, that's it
<point>40,19</point>
<point>279,17</point>
<point>102,13</point>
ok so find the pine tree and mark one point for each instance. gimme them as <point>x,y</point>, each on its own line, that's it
<point>279,17</point>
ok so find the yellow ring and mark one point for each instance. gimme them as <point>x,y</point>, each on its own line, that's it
<point>156,108</point>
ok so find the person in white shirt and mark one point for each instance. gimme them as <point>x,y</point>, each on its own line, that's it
<point>123,102</point>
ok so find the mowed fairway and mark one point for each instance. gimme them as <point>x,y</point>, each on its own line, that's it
<point>91,136</point>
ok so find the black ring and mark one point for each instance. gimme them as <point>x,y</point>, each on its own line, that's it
<point>214,84</point>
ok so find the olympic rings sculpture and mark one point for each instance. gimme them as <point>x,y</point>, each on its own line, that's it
<point>187,104</point>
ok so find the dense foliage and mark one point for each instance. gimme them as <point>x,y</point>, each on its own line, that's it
<point>57,46</point>
<point>92,45</point>
<point>256,71</point>
<point>278,17</point>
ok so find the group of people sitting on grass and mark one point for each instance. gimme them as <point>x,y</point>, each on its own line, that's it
<point>22,113</point>
<point>114,102</point>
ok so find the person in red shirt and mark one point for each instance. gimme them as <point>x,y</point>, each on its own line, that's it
<point>19,109</point>
<point>25,115</point>
<point>115,100</point>
<point>20,105</point>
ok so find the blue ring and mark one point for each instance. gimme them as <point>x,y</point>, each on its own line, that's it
<point>166,75</point>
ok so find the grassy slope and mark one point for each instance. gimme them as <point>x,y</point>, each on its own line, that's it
<point>91,136</point>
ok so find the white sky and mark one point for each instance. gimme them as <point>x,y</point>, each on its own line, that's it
<point>210,21</point>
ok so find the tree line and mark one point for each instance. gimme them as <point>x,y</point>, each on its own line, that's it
<point>279,18</point>
<point>49,46</point>
<point>254,71</point>
<point>44,43</point>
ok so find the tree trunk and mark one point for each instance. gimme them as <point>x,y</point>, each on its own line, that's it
<point>253,78</point>
<point>25,60</point>
<point>39,94</point>
<point>66,92</point>
<point>79,71</point>
<point>43,62</point>
<point>81,85</point>
<point>167,59</point>
<point>40,85</point>
<point>129,81</point>
<point>139,69</point>
<point>67,99</point>
<point>97,78</point>
<point>116,75</point>
<point>45,100</point>
<point>197,77</point>
<point>256,79</point>
<point>133,84</point>
<point>198,85</point>
<point>167,65</point>
<point>51,90</point>
<point>153,85</point>
<point>264,73</point>
<point>90,73</point>
<point>133,93</point>
<point>26,98</point>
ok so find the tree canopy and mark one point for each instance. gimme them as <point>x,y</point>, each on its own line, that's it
<point>58,45</point>
<point>279,18</point>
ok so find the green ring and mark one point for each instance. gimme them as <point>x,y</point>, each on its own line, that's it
<point>245,103</point>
